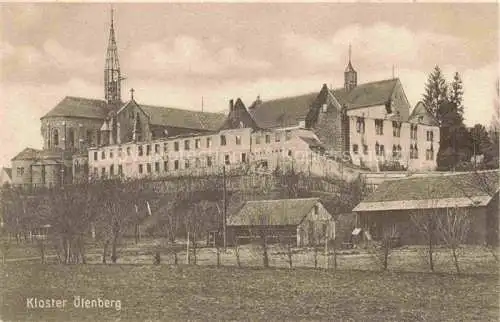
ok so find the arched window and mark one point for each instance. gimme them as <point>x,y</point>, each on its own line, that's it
<point>55,134</point>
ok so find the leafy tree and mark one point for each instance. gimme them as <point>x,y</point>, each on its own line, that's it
<point>454,138</point>
<point>436,92</point>
<point>480,139</point>
<point>456,93</point>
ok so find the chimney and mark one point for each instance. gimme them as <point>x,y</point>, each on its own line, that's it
<point>231,105</point>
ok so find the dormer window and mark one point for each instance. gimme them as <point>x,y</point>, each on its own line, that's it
<point>324,108</point>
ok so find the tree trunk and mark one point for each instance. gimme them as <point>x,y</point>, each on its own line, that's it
<point>455,259</point>
<point>264,249</point>
<point>334,255</point>
<point>82,251</point>
<point>218,256</point>
<point>237,252</point>
<point>176,260</point>
<point>194,249</point>
<point>315,257</point>
<point>431,259</point>
<point>114,255</point>
<point>289,253</point>
<point>42,252</point>
<point>104,252</point>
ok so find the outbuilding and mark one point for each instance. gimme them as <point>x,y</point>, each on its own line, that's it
<point>299,222</point>
<point>400,204</point>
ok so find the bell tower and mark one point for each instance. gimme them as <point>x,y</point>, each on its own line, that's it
<point>112,75</point>
<point>350,75</point>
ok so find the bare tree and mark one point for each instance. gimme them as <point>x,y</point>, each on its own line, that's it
<point>453,227</point>
<point>381,250</point>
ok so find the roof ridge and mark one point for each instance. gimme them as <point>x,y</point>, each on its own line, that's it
<point>287,97</point>
<point>85,98</point>
<point>271,200</point>
<point>371,83</point>
<point>180,108</point>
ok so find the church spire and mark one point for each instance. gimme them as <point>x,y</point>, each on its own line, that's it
<point>112,76</point>
<point>350,75</point>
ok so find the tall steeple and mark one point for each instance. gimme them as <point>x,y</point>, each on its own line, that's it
<point>112,75</point>
<point>350,75</point>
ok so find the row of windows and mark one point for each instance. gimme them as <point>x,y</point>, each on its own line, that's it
<point>186,145</point>
<point>54,139</point>
<point>396,151</point>
<point>396,128</point>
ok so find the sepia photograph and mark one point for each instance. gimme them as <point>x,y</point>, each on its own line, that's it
<point>319,161</point>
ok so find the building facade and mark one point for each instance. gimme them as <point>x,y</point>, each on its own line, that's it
<point>367,126</point>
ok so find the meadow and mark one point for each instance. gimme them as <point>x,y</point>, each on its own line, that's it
<point>173,293</point>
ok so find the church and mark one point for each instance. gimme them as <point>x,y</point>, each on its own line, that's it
<point>364,126</point>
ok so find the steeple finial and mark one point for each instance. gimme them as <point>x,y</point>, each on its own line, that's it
<point>349,53</point>
<point>132,90</point>
<point>112,75</point>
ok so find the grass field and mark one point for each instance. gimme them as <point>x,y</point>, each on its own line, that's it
<point>149,292</point>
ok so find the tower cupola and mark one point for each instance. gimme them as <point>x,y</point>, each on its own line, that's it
<point>350,75</point>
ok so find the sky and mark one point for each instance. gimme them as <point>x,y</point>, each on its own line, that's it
<point>175,54</point>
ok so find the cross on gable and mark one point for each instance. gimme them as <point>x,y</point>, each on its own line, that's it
<point>132,93</point>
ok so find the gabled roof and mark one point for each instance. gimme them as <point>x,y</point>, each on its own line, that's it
<point>8,171</point>
<point>273,212</point>
<point>367,94</point>
<point>27,154</point>
<point>282,112</point>
<point>176,117</point>
<point>434,191</point>
<point>79,107</point>
<point>422,116</point>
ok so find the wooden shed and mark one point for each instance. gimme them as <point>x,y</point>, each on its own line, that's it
<point>299,222</point>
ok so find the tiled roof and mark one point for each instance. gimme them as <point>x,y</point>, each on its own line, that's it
<point>289,111</point>
<point>176,117</point>
<point>273,212</point>
<point>282,112</point>
<point>367,94</point>
<point>35,154</point>
<point>434,190</point>
<point>420,115</point>
<point>79,107</point>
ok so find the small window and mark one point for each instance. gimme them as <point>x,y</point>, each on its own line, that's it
<point>186,164</point>
<point>197,143</point>
<point>103,172</point>
<point>277,137</point>
<point>141,168</point>
<point>120,152</point>
<point>148,149</point>
<point>288,135</point>
<point>111,170</point>
<point>120,170</point>
<point>157,166</point>
<point>257,139</point>
<point>290,153</point>
<point>186,145</point>
<point>140,151</point>
<point>365,149</point>
<point>227,161</point>
<point>111,154</point>
<point>355,149</point>
<point>209,142</point>
<point>243,158</point>
<point>360,125</point>
<point>165,166</point>
<point>238,140</point>
<point>165,148</point>
<point>157,148</point>
<point>209,161</point>
<point>222,140</point>
<point>148,167</point>
<point>176,164</point>
<point>197,163</point>
<point>316,210</point>
<point>95,155</point>
<point>103,155</point>
<point>268,138</point>
<point>176,146</point>
<point>129,151</point>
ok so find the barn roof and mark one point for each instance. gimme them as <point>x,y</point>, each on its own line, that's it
<point>273,212</point>
<point>436,191</point>
<point>422,116</point>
